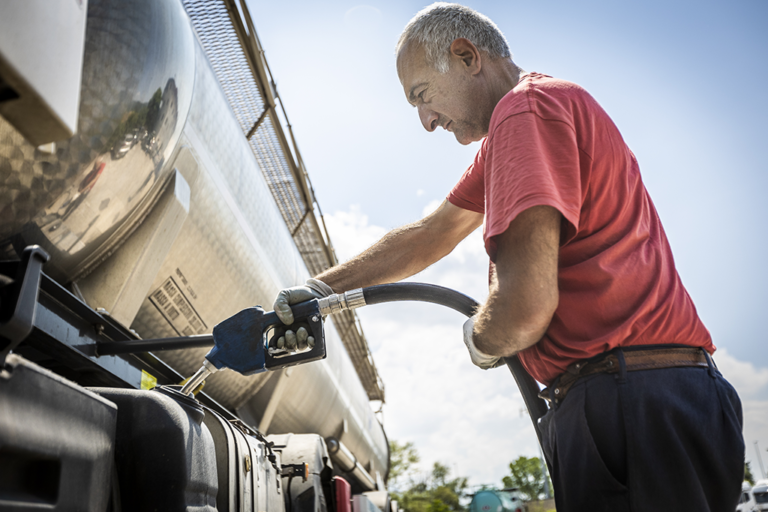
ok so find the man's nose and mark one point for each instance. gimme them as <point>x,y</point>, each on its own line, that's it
<point>428,118</point>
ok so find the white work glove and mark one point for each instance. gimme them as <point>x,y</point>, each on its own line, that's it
<point>479,359</point>
<point>313,289</point>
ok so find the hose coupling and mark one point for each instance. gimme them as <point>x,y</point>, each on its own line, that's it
<point>338,302</point>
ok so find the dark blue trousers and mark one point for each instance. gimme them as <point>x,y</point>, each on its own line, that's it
<point>653,440</point>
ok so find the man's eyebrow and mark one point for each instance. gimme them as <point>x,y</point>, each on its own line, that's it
<point>411,97</point>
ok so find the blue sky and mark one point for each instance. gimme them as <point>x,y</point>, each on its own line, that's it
<point>684,81</point>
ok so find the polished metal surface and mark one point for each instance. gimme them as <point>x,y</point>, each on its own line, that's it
<point>81,201</point>
<point>120,284</point>
<point>338,302</point>
<point>341,454</point>
<point>355,298</point>
<point>198,378</point>
<point>331,304</point>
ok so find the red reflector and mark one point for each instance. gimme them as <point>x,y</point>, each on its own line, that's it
<point>342,495</point>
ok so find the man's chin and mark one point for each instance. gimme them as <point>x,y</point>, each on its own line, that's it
<point>465,139</point>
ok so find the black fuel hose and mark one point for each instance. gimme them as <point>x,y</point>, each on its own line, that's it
<point>421,292</point>
<point>467,306</point>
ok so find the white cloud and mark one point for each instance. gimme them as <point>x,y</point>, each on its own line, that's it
<point>454,413</point>
<point>749,381</point>
<point>431,207</point>
<point>752,385</point>
<point>351,233</point>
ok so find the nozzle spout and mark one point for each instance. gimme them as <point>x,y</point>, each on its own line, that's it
<point>207,369</point>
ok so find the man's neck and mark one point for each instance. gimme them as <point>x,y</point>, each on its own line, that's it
<point>505,75</point>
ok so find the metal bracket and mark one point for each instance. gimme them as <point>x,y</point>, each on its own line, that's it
<point>18,298</point>
<point>292,470</point>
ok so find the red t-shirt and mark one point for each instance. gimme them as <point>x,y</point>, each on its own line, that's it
<point>550,143</point>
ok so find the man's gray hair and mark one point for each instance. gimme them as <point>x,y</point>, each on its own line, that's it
<point>438,25</point>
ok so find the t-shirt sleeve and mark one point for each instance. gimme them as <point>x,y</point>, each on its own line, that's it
<point>531,161</point>
<point>469,192</point>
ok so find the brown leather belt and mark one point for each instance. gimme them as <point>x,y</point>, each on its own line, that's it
<point>635,360</point>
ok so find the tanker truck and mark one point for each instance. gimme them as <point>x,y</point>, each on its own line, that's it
<point>150,188</point>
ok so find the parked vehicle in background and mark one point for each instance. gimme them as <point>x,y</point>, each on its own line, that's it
<point>747,501</point>
<point>121,148</point>
<point>760,495</point>
<point>505,500</point>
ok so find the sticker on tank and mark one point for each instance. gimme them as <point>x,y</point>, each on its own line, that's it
<point>178,311</point>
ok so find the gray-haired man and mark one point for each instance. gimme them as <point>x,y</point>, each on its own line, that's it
<point>583,286</point>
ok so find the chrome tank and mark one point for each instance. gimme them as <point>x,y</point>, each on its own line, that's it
<point>80,202</point>
<point>234,249</point>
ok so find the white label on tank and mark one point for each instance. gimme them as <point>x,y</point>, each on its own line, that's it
<point>173,304</point>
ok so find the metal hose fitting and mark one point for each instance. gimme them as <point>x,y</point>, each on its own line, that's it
<point>339,302</point>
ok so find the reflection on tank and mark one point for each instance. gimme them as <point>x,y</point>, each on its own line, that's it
<point>149,124</point>
<point>144,126</point>
<point>138,73</point>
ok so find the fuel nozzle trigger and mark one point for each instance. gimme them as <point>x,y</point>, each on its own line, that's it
<point>242,342</point>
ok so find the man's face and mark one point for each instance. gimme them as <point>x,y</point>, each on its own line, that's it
<point>455,100</point>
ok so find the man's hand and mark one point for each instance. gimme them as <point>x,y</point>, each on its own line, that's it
<point>313,289</point>
<point>296,340</point>
<point>479,359</point>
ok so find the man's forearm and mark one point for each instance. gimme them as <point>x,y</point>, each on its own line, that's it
<point>405,251</point>
<point>505,327</point>
<point>401,253</point>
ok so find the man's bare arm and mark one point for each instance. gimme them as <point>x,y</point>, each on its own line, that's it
<point>524,295</point>
<point>405,251</point>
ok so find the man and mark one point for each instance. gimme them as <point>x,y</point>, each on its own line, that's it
<point>583,284</point>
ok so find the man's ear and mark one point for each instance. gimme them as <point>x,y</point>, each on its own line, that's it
<point>463,50</point>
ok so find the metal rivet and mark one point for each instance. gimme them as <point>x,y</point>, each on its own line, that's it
<point>610,363</point>
<point>557,391</point>
<point>314,318</point>
<point>578,365</point>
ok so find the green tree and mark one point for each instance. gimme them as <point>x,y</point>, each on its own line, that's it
<point>438,506</point>
<point>526,475</point>
<point>435,492</point>
<point>402,457</point>
<point>448,492</point>
<point>748,474</point>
